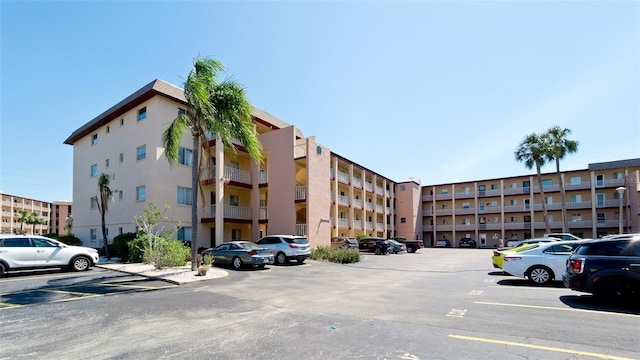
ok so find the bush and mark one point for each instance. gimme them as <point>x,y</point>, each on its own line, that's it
<point>361,236</point>
<point>342,256</point>
<point>70,240</point>
<point>137,248</point>
<point>121,245</point>
<point>167,253</point>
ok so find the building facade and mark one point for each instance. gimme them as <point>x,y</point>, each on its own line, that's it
<point>511,208</point>
<point>303,188</point>
<point>11,208</point>
<point>61,216</point>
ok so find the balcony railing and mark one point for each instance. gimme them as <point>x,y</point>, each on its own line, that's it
<point>443,196</point>
<point>344,200</point>
<point>357,203</point>
<point>233,174</point>
<point>369,206</point>
<point>369,225</point>
<point>582,185</point>
<point>299,151</point>
<point>301,229</point>
<point>379,226</point>
<point>379,208</point>
<point>357,182</point>
<point>343,223</point>
<point>608,203</point>
<point>343,177</point>
<point>357,224</point>
<point>368,186</point>
<point>427,197</point>
<point>465,211</point>
<point>379,190</point>
<point>609,183</point>
<point>301,192</point>
<point>262,213</point>
<point>232,212</point>
<point>444,211</point>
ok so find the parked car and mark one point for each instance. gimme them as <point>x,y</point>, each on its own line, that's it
<point>396,246</point>
<point>33,251</point>
<point>240,253</point>
<point>375,245</point>
<point>344,242</point>
<point>467,242</point>
<point>607,268</point>
<point>287,247</point>
<point>498,255</point>
<point>540,264</point>
<point>443,243</point>
<point>528,241</point>
<point>411,245</point>
<point>562,236</point>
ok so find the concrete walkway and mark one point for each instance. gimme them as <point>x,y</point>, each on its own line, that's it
<point>175,275</point>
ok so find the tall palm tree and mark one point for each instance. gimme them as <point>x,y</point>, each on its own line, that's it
<point>532,152</point>
<point>104,195</point>
<point>213,108</point>
<point>34,219</point>
<point>559,147</point>
<point>23,217</point>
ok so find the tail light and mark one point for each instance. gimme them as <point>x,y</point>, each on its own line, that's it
<point>252,252</point>
<point>576,265</point>
<point>512,258</point>
<point>294,246</point>
<point>271,252</point>
<point>496,253</point>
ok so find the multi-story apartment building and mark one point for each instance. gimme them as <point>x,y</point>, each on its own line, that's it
<point>60,215</point>
<point>11,207</point>
<point>303,188</point>
<point>511,208</point>
<point>300,188</point>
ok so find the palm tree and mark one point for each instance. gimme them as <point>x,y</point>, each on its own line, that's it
<point>104,195</point>
<point>34,219</point>
<point>559,146</point>
<point>213,108</point>
<point>532,152</point>
<point>23,217</point>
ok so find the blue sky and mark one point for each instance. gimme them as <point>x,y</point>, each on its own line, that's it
<point>439,91</point>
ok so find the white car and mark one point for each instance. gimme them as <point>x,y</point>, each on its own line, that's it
<point>33,251</point>
<point>287,247</point>
<point>541,264</point>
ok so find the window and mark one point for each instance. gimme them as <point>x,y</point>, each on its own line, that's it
<point>234,200</point>
<point>184,234</point>
<point>121,122</point>
<point>465,205</point>
<point>235,234</point>
<point>141,152</point>
<point>141,193</point>
<point>576,217</point>
<point>527,218</point>
<point>402,188</point>
<point>182,111</point>
<point>548,200</point>
<point>599,180</point>
<point>514,219</point>
<point>94,139</point>
<point>513,202</point>
<point>602,218</point>
<point>108,129</point>
<point>576,198</point>
<point>466,221</point>
<point>106,164</point>
<point>513,185</point>
<point>600,199</point>
<point>142,114</point>
<point>120,231</point>
<point>445,191</point>
<point>482,188</point>
<point>185,156</point>
<point>465,190</point>
<point>403,220</point>
<point>494,186</point>
<point>494,203</point>
<point>482,220</point>
<point>184,196</point>
<point>575,180</point>
<point>617,176</point>
<point>120,195</point>
<point>526,184</point>
<point>527,204</point>
<point>121,157</point>
<point>93,203</point>
<point>547,183</point>
<point>94,170</point>
<point>93,234</point>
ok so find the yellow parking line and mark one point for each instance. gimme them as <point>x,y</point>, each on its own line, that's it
<point>540,347</point>
<point>552,308</point>
<point>9,306</point>
<point>56,291</point>
<point>138,287</point>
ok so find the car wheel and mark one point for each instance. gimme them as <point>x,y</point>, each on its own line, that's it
<point>377,251</point>
<point>409,250</point>
<point>281,258</point>
<point>3,269</point>
<point>236,263</point>
<point>80,263</point>
<point>616,291</point>
<point>540,275</point>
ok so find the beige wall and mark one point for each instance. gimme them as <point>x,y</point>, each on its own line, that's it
<point>318,193</point>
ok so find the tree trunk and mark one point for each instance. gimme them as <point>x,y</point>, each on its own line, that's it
<point>104,237</point>
<point>544,204</point>
<point>195,165</point>
<point>565,221</point>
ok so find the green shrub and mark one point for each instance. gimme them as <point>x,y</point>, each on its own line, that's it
<point>342,256</point>
<point>361,236</point>
<point>70,240</point>
<point>121,245</point>
<point>137,248</point>
<point>166,253</point>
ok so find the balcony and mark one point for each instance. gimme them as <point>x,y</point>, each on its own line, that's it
<point>301,192</point>
<point>516,208</point>
<point>608,203</point>
<point>465,195</point>
<point>465,211</point>
<point>299,151</point>
<point>357,182</point>
<point>262,213</point>
<point>357,224</point>
<point>491,192</point>
<point>379,208</point>
<point>344,223</point>
<point>379,190</point>
<point>357,203</point>
<point>427,212</point>
<point>608,223</point>
<point>578,186</point>
<point>516,190</point>
<point>369,225</point>
<point>233,174</point>
<point>609,183</point>
<point>232,212</point>
<point>368,186</point>
<point>343,177</point>
<point>444,212</point>
<point>465,227</point>
<point>301,229</point>
<point>344,200</point>
<point>553,206</point>
<point>379,226</point>
<point>579,205</point>
<point>427,227</point>
<point>369,206</point>
<point>443,196</point>
<point>427,197</point>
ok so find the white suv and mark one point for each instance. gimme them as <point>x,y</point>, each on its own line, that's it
<point>287,247</point>
<point>33,251</point>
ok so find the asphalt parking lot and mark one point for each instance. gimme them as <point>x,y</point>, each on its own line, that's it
<point>436,304</point>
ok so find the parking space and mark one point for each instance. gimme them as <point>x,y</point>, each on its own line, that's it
<point>46,287</point>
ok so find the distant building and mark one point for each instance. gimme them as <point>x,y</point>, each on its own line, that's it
<point>60,213</point>
<point>303,188</point>
<point>11,207</point>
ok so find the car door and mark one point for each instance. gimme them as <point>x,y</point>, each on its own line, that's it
<point>555,257</point>
<point>18,252</point>
<point>221,253</point>
<point>49,253</point>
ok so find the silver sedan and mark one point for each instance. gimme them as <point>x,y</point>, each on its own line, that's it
<point>239,253</point>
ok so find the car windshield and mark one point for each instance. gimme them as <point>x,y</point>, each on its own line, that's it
<point>249,245</point>
<point>297,241</point>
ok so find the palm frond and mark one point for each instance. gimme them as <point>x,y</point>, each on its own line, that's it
<point>171,138</point>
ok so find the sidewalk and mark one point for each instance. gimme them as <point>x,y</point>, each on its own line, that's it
<point>176,275</point>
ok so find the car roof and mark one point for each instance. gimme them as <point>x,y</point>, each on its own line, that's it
<point>632,237</point>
